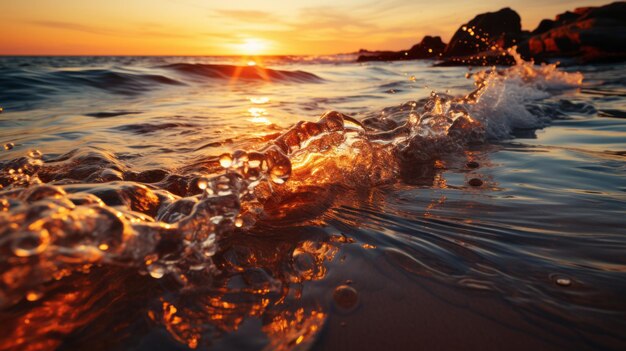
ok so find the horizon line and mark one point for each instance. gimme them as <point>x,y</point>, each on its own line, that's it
<point>170,55</point>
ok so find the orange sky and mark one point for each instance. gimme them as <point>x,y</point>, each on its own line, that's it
<point>207,27</point>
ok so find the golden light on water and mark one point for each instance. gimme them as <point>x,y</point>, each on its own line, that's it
<point>260,120</point>
<point>257,111</point>
<point>258,115</point>
<point>259,100</point>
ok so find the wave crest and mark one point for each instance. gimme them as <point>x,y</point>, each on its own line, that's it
<point>233,72</point>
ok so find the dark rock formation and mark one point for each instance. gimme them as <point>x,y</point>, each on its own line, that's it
<point>429,47</point>
<point>590,34</point>
<point>544,26</point>
<point>502,29</point>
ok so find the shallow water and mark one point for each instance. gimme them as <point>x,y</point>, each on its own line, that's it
<point>482,221</point>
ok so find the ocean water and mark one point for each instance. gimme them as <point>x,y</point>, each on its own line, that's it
<point>173,203</point>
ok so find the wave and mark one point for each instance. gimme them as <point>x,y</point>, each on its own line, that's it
<point>58,214</point>
<point>22,86</point>
<point>233,72</point>
<point>110,80</point>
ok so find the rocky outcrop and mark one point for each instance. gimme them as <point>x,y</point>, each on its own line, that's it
<point>585,35</point>
<point>590,34</point>
<point>429,47</point>
<point>501,29</point>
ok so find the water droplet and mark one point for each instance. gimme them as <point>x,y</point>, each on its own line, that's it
<point>4,204</point>
<point>564,281</point>
<point>156,271</point>
<point>226,160</point>
<point>475,182</point>
<point>103,247</point>
<point>33,295</point>
<point>345,297</point>
<point>9,146</point>
<point>238,222</point>
<point>203,183</point>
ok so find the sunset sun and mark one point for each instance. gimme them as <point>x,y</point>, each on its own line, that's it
<point>252,46</point>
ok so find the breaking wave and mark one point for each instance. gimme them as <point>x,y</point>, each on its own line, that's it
<point>67,213</point>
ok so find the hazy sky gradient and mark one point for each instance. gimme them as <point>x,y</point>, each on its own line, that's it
<point>207,27</point>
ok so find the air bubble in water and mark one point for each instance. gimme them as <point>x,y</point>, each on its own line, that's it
<point>30,243</point>
<point>34,154</point>
<point>9,146</point>
<point>345,297</point>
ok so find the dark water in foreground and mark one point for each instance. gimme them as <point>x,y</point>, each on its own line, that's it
<point>489,215</point>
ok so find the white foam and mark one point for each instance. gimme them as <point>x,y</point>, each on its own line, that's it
<point>502,100</point>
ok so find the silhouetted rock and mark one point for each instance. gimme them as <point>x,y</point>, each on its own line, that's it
<point>429,47</point>
<point>502,28</point>
<point>561,19</point>
<point>566,17</point>
<point>544,26</point>
<point>590,34</point>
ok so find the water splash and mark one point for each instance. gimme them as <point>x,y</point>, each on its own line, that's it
<point>81,210</point>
